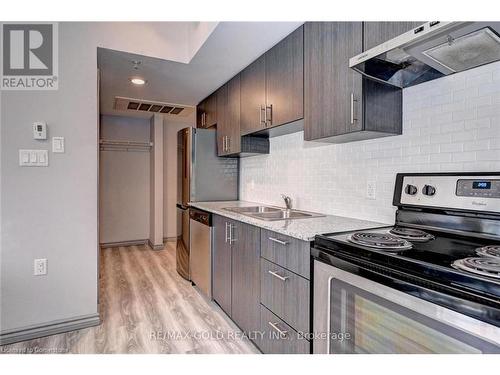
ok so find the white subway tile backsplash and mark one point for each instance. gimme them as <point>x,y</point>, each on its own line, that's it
<point>477,145</point>
<point>451,124</point>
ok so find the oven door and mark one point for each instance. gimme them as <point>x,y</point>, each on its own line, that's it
<point>353,314</point>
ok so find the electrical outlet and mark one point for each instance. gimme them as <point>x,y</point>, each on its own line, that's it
<point>40,267</point>
<point>371,189</point>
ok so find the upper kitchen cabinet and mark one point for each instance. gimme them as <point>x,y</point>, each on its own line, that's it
<point>272,87</point>
<point>230,143</point>
<point>285,80</point>
<point>253,96</point>
<point>376,33</point>
<point>228,124</point>
<point>206,112</point>
<point>341,105</point>
<point>222,124</point>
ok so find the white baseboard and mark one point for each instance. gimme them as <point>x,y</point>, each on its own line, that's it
<point>156,247</point>
<point>123,243</point>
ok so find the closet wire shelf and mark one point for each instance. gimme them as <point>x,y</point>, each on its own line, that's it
<point>116,145</point>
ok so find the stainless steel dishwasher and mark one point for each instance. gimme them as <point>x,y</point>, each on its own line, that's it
<point>200,262</point>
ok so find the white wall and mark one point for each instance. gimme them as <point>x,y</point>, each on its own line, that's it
<point>124,181</point>
<point>450,124</point>
<point>171,125</point>
<point>156,183</point>
<point>51,212</point>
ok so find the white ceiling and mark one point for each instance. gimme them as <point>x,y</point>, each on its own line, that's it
<point>229,47</point>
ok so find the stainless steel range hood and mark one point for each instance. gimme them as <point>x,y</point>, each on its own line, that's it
<point>430,51</point>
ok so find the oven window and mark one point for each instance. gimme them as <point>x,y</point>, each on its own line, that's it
<point>361,322</point>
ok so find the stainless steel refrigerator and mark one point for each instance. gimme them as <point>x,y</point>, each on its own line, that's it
<point>201,176</point>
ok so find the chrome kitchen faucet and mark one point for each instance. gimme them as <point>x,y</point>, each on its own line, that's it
<point>288,201</point>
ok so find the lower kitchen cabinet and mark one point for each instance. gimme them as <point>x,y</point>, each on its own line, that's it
<point>264,294</point>
<point>245,297</point>
<point>290,253</point>
<point>278,337</point>
<point>286,294</point>
<point>236,266</point>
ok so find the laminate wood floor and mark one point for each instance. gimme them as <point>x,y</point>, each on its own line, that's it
<point>146,307</point>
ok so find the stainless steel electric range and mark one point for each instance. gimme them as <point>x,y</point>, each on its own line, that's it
<point>428,284</point>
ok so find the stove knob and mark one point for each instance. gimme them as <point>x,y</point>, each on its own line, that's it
<point>411,189</point>
<point>429,190</point>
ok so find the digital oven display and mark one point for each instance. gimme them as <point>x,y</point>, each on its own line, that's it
<point>483,185</point>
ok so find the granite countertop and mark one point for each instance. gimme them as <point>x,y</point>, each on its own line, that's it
<point>303,229</point>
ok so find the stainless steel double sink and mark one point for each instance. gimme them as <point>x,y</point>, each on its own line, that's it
<point>270,213</point>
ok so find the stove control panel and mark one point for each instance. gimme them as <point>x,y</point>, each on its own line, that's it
<point>469,192</point>
<point>478,188</point>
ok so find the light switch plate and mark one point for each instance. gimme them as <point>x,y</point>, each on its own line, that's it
<point>57,144</point>
<point>33,158</point>
<point>40,267</point>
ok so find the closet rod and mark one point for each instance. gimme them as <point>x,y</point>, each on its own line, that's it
<point>121,148</point>
<point>108,142</point>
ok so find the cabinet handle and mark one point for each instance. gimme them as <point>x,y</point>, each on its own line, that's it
<point>262,121</point>
<point>353,100</point>
<point>228,143</point>
<point>277,275</point>
<point>223,143</point>
<point>226,237</point>
<point>270,119</point>
<point>231,239</point>
<point>281,242</point>
<point>277,329</point>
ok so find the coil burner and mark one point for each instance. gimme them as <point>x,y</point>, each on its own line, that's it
<point>383,241</point>
<point>486,266</point>
<point>489,251</point>
<point>411,234</point>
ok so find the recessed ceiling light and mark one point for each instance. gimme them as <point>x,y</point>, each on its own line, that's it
<point>137,81</point>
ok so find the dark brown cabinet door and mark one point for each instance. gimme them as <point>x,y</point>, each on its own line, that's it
<point>210,107</point>
<point>245,276</point>
<point>285,80</point>
<point>333,91</point>
<point>228,118</point>
<point>232,116</point>
<point>222,264</point>
<point>206,112</point>
<point>253,96</point>
<point>376,33</point>
<point>200,113</point>
<point>222,124</point>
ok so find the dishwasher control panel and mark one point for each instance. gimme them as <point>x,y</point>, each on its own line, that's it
<point>200,216</point>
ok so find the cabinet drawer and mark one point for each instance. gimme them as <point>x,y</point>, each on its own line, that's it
<point>288,252</point>
<point>278,337</point>
<point>286,294</point>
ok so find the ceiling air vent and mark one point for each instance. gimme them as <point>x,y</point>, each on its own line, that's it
<point>137,105</point>
<point>176,110</point>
